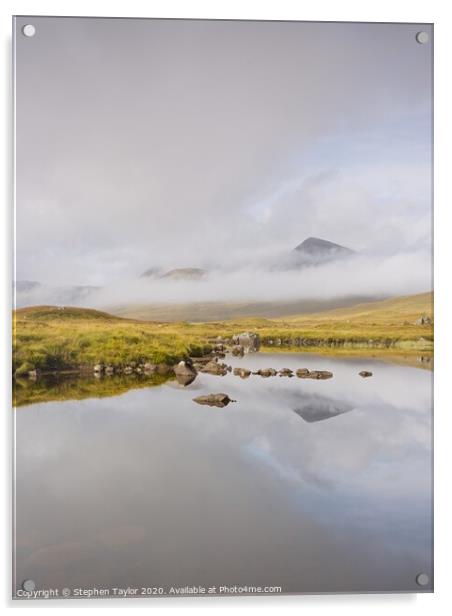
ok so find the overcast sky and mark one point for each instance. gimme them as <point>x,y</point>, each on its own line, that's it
<point>195,143</point>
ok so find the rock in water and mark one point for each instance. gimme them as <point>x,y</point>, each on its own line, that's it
<point>365,373</point>
<point>238,350</point>
<point>185,380</point>
<point>184,368</point>
<point>185,373</point>
<point>302,373</point>
<point>266,372</point>
<point>214,367</point>
<point>320,374</point>
<point>219,400</point>
<point>286,372</point>
<point>243,373</point>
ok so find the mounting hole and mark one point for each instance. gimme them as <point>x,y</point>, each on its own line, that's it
<point>422,579</point>
<point>422,37</point>
<point>28,585</point>
<point>29,30</point>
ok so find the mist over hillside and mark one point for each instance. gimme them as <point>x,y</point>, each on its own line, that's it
<point>316,275</point>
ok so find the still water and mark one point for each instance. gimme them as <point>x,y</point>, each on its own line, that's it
<point>313,486</point>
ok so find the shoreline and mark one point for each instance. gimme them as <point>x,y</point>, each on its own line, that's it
<point>59,386</point>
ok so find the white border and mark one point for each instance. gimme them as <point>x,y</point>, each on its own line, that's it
<point>436,11</point>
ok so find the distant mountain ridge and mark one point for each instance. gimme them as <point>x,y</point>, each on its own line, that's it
<point>312,251</point>
<point>180,273</point>
<point>186,273</point>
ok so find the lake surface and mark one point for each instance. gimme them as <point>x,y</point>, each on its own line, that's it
<point>313,486</point>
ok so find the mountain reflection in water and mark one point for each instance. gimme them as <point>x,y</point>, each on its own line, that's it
<point>148,488</point>
<point>313,408</point>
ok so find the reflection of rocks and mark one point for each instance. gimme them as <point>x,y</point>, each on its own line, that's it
<point>365,373</point>
<point>249,340</point>
<point>163,369</point>
<point>317,408</point>
<point>243,373</point>
<point>220,400</point>
<point>185,379</point>
<point>185,373</point>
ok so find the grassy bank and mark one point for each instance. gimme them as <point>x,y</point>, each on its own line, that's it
<point>52,338</point>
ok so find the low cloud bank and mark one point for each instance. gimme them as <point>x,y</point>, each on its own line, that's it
<point>371,276</point>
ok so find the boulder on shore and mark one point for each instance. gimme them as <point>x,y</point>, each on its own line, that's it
<point>365,373</point>
<point>249,340</point>
<point>219,348</point>
<point>220,400</point>
<point>423,320</point>
<point>185,373</point>
<point>184,367</point>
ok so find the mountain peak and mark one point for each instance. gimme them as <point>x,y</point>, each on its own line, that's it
<point>317,248</point>
<point>315,245</point>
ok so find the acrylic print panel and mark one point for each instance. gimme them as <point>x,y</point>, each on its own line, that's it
<point>223,343</point>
